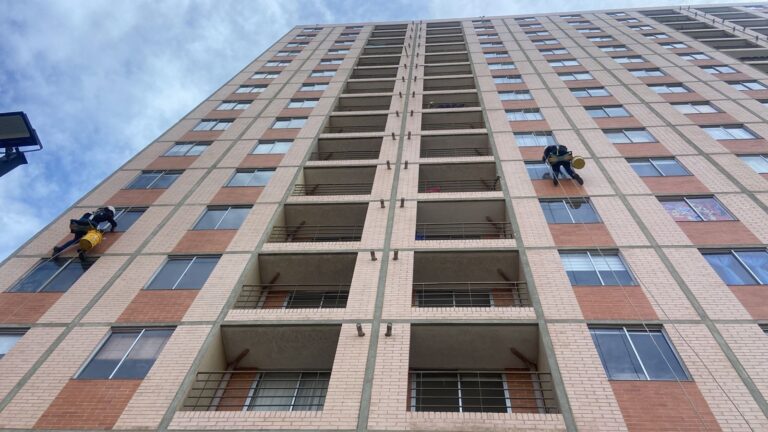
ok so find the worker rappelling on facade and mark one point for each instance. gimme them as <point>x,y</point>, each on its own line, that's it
<point>558,157</point>
<point>87,231</point>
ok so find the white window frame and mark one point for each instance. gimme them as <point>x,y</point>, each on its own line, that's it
<point>290,122</point>
<point>652,160</point>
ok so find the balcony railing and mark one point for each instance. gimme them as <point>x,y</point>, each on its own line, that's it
<point>293,296</point>
<point>504,391</point>
<point>464,230</point>
<point>242,390</point>
<point>354,129</point>
<point>470,294</point>
<point>382,107</point>
<point>458,125</point>
<point>332,189</point>
<point>345,155</point>
<point>455,152</point>
<point>480,185</point>
<point>447,105</point>
<point>316,233</point>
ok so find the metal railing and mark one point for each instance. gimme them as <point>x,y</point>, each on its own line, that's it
<point>455,125</point>
<point>316,233</point>
<point>241,390</point>
<point>293,296</point>
<point>447,105</point>
<point>316,189</point>
<point>502,391</point>
<point>455,152</point>
<point>431,61</point>
<point>443,87</point>
<point>464,230</point>
<point>373,75</point>
<point>354,128</point>
<point>479,185</point>
<point>362,108</point>
<point>470,294</point>
<point>369,90</point>
<point>345,155</point>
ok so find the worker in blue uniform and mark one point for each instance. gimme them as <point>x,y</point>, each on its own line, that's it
<point>558,156</point>
<point>88,221</point>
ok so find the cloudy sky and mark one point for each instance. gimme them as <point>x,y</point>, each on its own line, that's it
<point>102,79</point>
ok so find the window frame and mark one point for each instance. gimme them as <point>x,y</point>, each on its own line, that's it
<point>16,333</point>
<point>604,109</point>
<point>251,171</point>
<point>162,173</point>
<point>193,145</point>
<point>219,207</point>
<point>588,91</point>
<point>526,93</point>
<point>119,212</point>
<point>623,131</point>
<point>651,161</point>
<point>535,114</point>
<point>576,76</point>
<point>236,105</point>
<point>524,136</point>
<point>290,121</point>
<point>191,259</point>
<point>567,203</point>
<point>715,109</point>
<point>594,267</point>
<point>217,125</point>
<point>762,157</point>
<point>106,338</point>
<point>273,144</point>
<point>726,129</point>
<point>686,200</point>
<point>740,261</point>
<point>251,88</point>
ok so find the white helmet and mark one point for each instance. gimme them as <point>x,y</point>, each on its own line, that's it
<point>112,209</point>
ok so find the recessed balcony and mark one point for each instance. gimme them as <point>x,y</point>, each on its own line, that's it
<point>444,39</point>
<point>693,25</point>
<point>335,181</point>
<point>452,120</point>
<point>462,220</point>
<point>374,72</point>
<point>319,223</point>
<point>379,60</point>
<point>346,149</point>
<point>363,103</point>
<point>447,69</point>
<point>356,123</point>
<point>454,145</point>
<point>446,58</point>
<point>445,31</point>
<point>387,34</point>
<point>382,50</point>
<point>449,84</point>
<point>371,86</point>
<point>384,42</point>
<point>434,101</point>
<point>677,18</point>
<point>445,48</point>
<point>442,178</point>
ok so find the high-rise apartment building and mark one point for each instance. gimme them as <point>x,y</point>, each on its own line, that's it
<point>357,232</point>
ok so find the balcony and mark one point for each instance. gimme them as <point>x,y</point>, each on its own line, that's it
<point>335,181</point>
<point>674,18</point>
<point>384,42</point>
<point>446,24</point>
<point>449,84</point>
<point>479,369</point>
<point>356,123</point>
<point>363,103</point>
<point>445,31</point>
<point>372,86</point>
<point>374,72</point>
<point>693,25</point>
<point>379,60</point>
<point>319,223</point>
<point>468,279</point>
<point>450,100</point>
<point>478,177</point>
<point>452,120</point>
<point>382,50</point>
<point>444,39</point>
<point>445,48</point>
<point>462,220</point>
<point>454,146</point>
<point>446,58</point>
<point>710,34</point>
<point>265,368</point>
<point>386,34</point>
<point>298,281</point>
<point>390,27</point>
<point>346,149</point>
<point>448,69</point>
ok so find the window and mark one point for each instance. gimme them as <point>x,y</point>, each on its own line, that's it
<point>272,147</point>
<point>576,76</point>
<point>657,36</point>
<point>287,53</point>
<point>695,108</point>
<point>600,38</point>
<point>311,29</point>
<point>213,125</point>
<point>530,26</point>
<point>525,19</point>
<point>563,63</point>
<point>301,36</point>
<point>288,391</point>
<point>53,275</point>
<point>331,61</point>
<point>729,132</point>
<point>537,33</point>
<point>515,95</point>
<point>502,65</point>
<point>127,354</point>
<point>538,170</point>
<point>323,73</point>
<point>607,111</point>
<point>658,167</point>
<point>632,20</point>
<point>694,56</point>
<point>338,42</point>
<point>338,51</point>
<point>626,136</point>
<point>296,44</point>
<point>695,209</point>
<point>590,30</point>
<point>629,59</point>
<point>257,177</point>
<point>718,69</point>
<point>637,354</point>
<point>524,115</point>
<point>184,148</point>
<point>487,36</point>
<point>546,42</point>
<point>579,23</point>
<point>569,211</point>
<point>491,44</point>
<point>596,268</point>
<point>251,89</point>
<point>640,27</point>
<point>590,92</point>
<point>154,180</point>
<point>303,103</point>
<point>570,16</point>
<point>616,14</point>
<point>740,267</point>
<point>183,273</point>
<point>535,139</point>
<point>496,54</point>
<point>264,75</point>
<point>508,79</point>
<point>759,163</point>
<point>482,392</point>
<point>313,87</point>
<point>641,73</point>
<point>8,338</point>
<point>763,102</point>
<point>669,88</point>
<point>277,63</point>
<point>233,105</point>
<point>614,48</point>
<point>673,45</point>
<point>289,123</point>
<point>222,218</point>
<point>556,51</point>
<point>125,218</point>
<point>747,85</point>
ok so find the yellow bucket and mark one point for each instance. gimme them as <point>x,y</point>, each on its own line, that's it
<point>578,162</point>
<point>91,239</point>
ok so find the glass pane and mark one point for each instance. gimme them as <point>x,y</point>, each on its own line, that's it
<point>718,133</point>
<point>126,219</point>
<point>680,211</point>
<point>644,169</point>
<point>240,179</point>
<point>670,167</point>
<point>616,112</point>
<point>757,262</point>
<point>436,392</point>
<point>210,219</point>
<point>582,211</point>
<point>482,392</point>
<point>260,178</point>
<point>612,270</point>
<point>143,180</point>
<point>597,113</point>
<point>710,209</point>
<point>178,150</point>
<point>638,136</point>
<point>310,395</point>
<point>197,273</point>
<point>167,277</point>
<point>555,212</point>
<point>282,146</point>
<point>234,218</point>
<point>538,171</point>
<point>143,354</point>
<point>740,133</point>
<point>274,391</point>
<point>579,269</point>
<point>617,355</point>
<point>617,137</point>
<point>729,269</point>
<point>197,150</point>
<point>757,163</point>
<point>165,181</point>
<point>7,341</point>
<point>106,360</point>
<point>67,277</point>
<point>263,148</point>
<point>37,277</point>
<point>657,356</point>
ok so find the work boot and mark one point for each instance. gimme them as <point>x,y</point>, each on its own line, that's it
<point>578,179</point>
<point>81,255</point>
<point>554,181</point>
<point>57,250</point>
